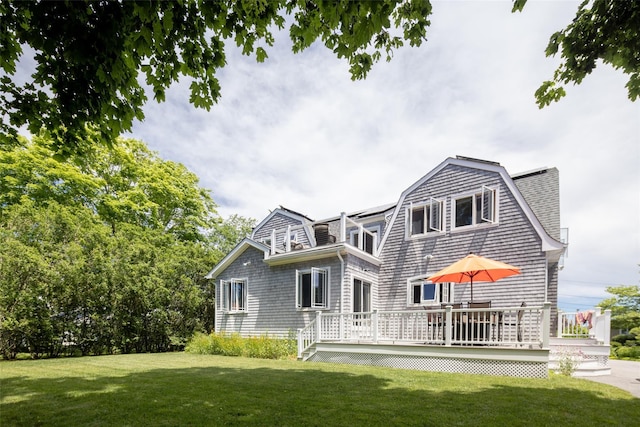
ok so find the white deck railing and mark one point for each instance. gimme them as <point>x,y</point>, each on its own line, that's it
<point>281,239</point>
<point>587,324</point>
<point>510,326</point>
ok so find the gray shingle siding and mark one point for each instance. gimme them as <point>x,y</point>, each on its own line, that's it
<point>271,299</point>
<point>513,240</point>
<point>279,222</point>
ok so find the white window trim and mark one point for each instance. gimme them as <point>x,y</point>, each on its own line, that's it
<point>411,282</point>
<point>225,303</point>
<point>353,299</point>
<point>492,193</point>
<point>427,221</point>
<point>476,223</point>
<point>376,230</point>
<point>298,301</point>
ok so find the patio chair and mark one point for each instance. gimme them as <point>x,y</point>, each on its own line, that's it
<point>518,322</point>
<point>480,322</point>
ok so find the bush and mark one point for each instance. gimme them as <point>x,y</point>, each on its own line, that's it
<point>628,352</point>
<point>262,347</point>
<point>623,338</point>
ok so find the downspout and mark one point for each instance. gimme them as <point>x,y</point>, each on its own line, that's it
<point>342,281</point>
<point>546,279</point>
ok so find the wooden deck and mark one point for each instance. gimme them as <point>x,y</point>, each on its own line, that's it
<point>512,341</point>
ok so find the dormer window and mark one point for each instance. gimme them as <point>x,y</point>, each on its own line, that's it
<point>475,209</point>
<point>425,218</point>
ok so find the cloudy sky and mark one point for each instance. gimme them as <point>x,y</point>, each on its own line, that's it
<point>296,131</point>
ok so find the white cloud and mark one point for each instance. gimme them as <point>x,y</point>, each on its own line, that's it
<point>297,131</point>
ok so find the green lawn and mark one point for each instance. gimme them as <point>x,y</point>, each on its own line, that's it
<point>179,389</point>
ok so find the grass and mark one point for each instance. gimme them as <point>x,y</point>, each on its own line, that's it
<point>182,389</point>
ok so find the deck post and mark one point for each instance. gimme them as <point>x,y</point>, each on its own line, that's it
<point>546,324</point>
<point>560,323</point>
<point>287,239</point>
<point>597,329</point>
<point>607,327</point>
<point>273,241</point>
<point>300,343</point>
<point>374,326</point>
<point>318,325</point>
<point>343,227</point>
<point>448,318</point>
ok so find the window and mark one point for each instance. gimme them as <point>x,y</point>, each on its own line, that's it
<point>361,296</point>
<point>426,217</point>
<point>370,238</point>
<point>475,209</point>
<point>423,292</point>
<point>234,295</point>
<point>312,288</point>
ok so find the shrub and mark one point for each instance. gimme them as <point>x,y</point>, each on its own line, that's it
<point>199,344</point>
<point>262,347</point>
<point>623,338</point>
<point>568,361</point>
<point>628,352</point>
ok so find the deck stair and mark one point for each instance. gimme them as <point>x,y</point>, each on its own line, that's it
<point>593,356</point>
<point>308,353</point>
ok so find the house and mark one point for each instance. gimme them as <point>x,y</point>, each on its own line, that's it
<point>361,277</point>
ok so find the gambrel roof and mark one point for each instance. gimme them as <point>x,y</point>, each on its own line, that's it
<point>549,244</point>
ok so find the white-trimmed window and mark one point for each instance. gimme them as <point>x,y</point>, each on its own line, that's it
<point>370,238</point>
<point>312,288</point>
<point>475,209</point>
<point>423,292</point>
<point>424,218</point>
<point>361,296</point>
<point>234,295</point>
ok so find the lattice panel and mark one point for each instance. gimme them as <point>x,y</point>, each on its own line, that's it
<point>603,360</point>
<point>438,364</point>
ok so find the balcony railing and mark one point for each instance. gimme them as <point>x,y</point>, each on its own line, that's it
<point>587,324</point>
<point>289,239</point>
<point>510,326</point>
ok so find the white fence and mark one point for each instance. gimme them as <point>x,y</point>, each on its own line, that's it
<point>585,324</point>
<point>511,326</point>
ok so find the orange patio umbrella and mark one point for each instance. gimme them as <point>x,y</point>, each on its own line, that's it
<point>474,268</point>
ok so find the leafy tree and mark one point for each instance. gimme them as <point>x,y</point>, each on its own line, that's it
<point>230,232</point>
<point>125,184</point>
<point>89,54</point>
<point>49,280</point>
<point>606,30</point>
<point>624,306</point>
<point>67,283</point>
<point>106,252</point>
